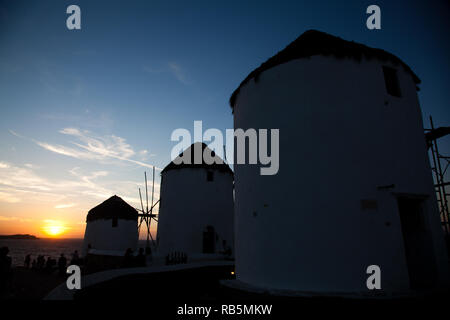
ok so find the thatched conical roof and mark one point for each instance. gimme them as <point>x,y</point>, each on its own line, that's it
<point>217,165</point>
<point>314,42</point>
<point>114,207</point>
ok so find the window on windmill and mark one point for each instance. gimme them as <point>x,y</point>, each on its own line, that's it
<point>210,176</point>
<point>369,204</point>
<point>391,81</point>
<point>115,222</point>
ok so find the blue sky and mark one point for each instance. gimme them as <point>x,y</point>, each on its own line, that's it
<point>83,112</point>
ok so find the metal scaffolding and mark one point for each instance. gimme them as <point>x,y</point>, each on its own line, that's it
<point>440,164</point>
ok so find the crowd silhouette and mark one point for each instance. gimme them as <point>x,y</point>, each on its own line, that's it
<point>140,260</point>
<point>176,258</point>
<point>41,264</point>
<point>50,265</point>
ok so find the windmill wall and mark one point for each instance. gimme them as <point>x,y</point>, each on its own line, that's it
<point>189,205</point>
<point>102,236</point>
<point>348,152</point>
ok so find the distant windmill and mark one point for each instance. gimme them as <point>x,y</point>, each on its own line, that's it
<point>146,215</point>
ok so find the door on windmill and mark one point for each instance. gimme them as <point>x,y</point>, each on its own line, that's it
<point>209,240</point>
<point>418,244</point>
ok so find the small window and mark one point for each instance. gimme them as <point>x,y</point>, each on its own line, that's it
<point>115,222</point>
<point>210,176</point>
<point>369,204</point>
<point>391,81</point>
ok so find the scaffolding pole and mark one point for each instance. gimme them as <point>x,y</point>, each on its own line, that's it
<point>439,174</point>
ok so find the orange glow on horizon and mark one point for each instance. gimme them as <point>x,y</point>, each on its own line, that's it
<point>54,228</point>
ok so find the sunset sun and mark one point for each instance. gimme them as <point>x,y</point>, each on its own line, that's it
<point>54,228</point>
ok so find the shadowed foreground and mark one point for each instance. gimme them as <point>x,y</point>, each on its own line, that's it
<point>30,284</point>
<point>168,291</point>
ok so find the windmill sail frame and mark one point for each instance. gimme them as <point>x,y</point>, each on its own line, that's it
<point>146,215</point>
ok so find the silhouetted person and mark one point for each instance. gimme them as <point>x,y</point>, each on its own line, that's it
<point>33,265</point>
<point>167,260</point>
<point>226,249</point>
<point>148,253</point>
<point>27,261</point>
<point>75,258</point>
<point>50,264</point>
<point>5,271</point>
<point>40,262</point>
<point>62,263</point>
<point>128,258</point>
<point>140,258</point>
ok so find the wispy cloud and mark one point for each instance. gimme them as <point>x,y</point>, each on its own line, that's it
<point>87,119</point>
<point>16,134</point>
<point>21,184</point>
<point>64,206</point>
<point>26,183</point>
<point>31,166</point>
<point>8,197</point>
<point>178,72</point>
<point>4,165</point>
<point>144,154</point>
<point>18,219</point>
<point>171,67</point>
<point>91,147</point>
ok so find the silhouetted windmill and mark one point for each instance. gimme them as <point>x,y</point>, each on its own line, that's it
<point>146,215</point>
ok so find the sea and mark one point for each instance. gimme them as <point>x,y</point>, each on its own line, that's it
<point>19,248</point>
